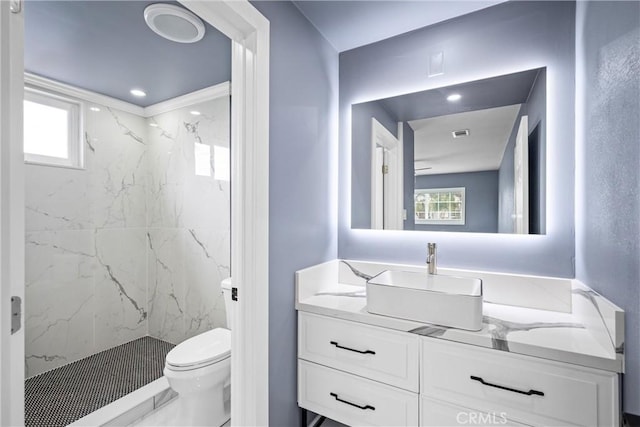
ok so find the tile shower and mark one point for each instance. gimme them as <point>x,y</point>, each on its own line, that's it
<point>133,245</point>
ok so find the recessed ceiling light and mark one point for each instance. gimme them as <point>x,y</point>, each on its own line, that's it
<point>153,125</point>
<point>96,109</point>
<point>174,23</point>
<point>454,97</point>
<point>195,113</point>
<point>138,92</point>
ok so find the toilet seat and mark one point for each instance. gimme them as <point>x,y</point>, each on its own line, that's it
<point>202,350</point>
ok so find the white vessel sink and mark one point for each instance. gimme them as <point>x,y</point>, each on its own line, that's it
<point>439,299</point>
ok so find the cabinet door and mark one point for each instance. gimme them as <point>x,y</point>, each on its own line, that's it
<point>434,413</point>
<point>531,390</point>
<point>354,400</point>
<point>377,353</point>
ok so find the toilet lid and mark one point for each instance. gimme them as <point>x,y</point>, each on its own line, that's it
<point>204,349</point>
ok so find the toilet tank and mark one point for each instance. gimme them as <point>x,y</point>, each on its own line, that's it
<point>228,305</point>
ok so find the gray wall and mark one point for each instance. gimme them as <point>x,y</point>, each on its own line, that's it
<point>607,164</point>
<point>481,199</point>
<point>302,186</point>
<point>361,183</point>
<point>506,38</point>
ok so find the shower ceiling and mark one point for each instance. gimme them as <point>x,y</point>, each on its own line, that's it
<point>106,47</point>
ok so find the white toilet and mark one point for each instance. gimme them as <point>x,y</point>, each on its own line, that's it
<point>199,370</point>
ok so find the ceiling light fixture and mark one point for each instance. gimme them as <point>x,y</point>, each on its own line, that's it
<point>138,92</point>
<point>153,125</point>
<point>95,109</point>
<point>454,97</point>
<point>174,23</point>
<point>195,113</point>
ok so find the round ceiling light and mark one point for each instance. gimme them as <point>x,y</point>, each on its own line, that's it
<point>174,23</point>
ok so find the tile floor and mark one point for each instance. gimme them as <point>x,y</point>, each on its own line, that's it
<point>65,394</point>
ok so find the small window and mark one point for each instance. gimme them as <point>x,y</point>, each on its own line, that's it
<point>443,206</point>
<point>52,133</point>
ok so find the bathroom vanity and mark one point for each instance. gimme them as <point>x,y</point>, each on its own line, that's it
<point>550,352</point>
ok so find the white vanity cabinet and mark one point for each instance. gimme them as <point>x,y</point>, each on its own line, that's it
<point>357,374</point>
<point>360,374</point>
<point>550,353</point>
<point>513,387</point>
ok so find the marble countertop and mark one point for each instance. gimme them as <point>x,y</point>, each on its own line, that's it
<point>550,318</point>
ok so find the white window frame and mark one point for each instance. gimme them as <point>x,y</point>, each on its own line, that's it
<point>75,110</point>
<point>460,221</point>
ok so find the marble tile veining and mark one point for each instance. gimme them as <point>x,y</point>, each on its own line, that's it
<point>133,243</point>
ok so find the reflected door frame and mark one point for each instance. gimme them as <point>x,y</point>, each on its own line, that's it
<point>248,30</point>
<point>386,178</point>
<point>521,178</point>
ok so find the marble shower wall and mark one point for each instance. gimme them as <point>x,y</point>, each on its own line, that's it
<point>134,244</point>
<point>188,217</point>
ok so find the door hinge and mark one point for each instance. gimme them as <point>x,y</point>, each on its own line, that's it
<point>385,169</point>
<point>234,294</point>
<point>16,314</point>
<point>15,6</point>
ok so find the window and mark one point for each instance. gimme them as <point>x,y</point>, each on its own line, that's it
<point>444,206</point>
<point>52,133</point>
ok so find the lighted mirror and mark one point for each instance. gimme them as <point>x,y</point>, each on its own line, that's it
<point>464,158</point>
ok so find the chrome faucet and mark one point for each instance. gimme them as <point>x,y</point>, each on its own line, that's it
<point>431,258</point>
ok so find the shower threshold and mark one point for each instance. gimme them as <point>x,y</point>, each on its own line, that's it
<point>70,392</point>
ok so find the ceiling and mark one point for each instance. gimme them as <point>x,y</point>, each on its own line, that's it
<point>481,150</point>
<point>488,108</point>
<point>106,47</point>
<point>497,91</point>
<point>350,24</point>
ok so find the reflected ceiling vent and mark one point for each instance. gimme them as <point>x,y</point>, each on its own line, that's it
<point>460,133</point>
<point>174,23</point>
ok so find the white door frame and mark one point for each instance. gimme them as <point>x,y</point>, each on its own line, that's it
<point>392,188</point>
<point>521,178</point>
<point>12,231</point>
<point>249,32</point>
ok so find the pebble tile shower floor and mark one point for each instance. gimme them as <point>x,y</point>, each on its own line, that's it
<point>68,393</point>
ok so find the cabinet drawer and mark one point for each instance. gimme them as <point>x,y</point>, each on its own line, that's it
<point>434,413</point>
<point>530,390</point>
<point>383,355</point>
<point>354,400</point>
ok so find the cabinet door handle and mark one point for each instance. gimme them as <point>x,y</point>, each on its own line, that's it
<point>335,395</point>
<point>528,393</point>
<point>351,349</point>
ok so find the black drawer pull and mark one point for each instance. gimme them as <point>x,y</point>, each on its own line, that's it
<point>351,349</point>
<point>352,404</point>
<point>528,393</point>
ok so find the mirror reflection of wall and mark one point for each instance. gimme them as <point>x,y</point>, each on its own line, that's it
<point>459,164</point>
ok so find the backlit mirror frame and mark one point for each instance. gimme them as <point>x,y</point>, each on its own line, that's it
<point>477,169</point>
<point>501,39</point>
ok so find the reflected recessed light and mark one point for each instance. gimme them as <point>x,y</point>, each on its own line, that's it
<point>454,97</point>
<point>195,113</point>
<point>138,92</point>
<point>153,125</point>
<point>96,109</point>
